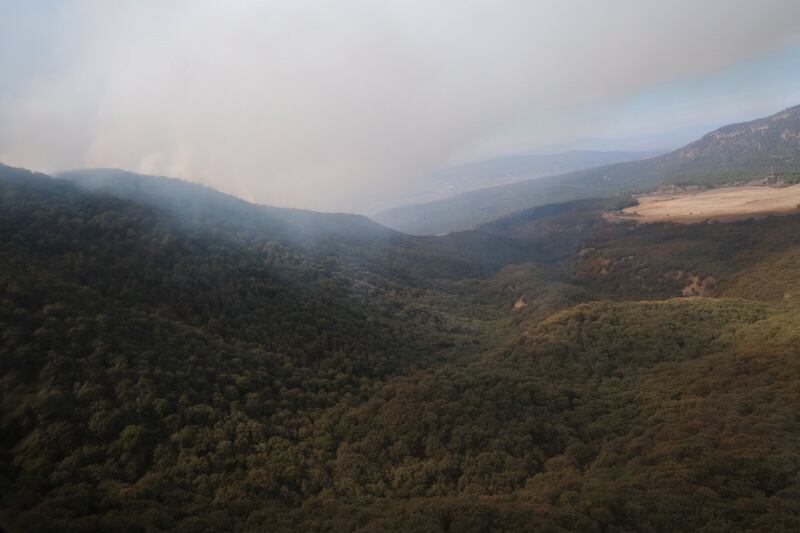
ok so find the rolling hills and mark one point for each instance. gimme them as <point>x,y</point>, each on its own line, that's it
<point>185,360</point>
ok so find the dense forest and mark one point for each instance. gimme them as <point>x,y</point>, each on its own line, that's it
<point>172,358</point>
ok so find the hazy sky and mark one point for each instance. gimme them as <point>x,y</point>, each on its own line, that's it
<point>339,105</point>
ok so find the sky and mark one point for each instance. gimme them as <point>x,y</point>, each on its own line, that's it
<point>344,105</point>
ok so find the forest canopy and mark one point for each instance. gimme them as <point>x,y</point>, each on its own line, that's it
<point>163,370</point>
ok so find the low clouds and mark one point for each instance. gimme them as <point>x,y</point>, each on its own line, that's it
<point>335,105</point>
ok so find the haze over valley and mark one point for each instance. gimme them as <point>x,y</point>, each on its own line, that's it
<point>399,266</point>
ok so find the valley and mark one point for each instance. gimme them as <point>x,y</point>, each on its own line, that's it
<point>184,365</point>
<point>389,267</point>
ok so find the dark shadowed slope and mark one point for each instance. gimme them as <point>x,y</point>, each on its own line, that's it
<point>767,148</point>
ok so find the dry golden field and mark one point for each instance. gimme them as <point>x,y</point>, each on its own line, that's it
<point>723,204</point>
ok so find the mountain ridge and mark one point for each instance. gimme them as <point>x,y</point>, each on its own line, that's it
<point>766,148</point>
<point>200,201</point>
<point>502,170</point>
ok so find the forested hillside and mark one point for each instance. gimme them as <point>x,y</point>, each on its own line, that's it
<point>199,365</point>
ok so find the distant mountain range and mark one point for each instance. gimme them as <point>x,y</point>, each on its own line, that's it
<point>763,149</point>
<point>451,181</point>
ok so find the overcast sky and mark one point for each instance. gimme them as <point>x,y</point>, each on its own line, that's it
<point>340,105</point>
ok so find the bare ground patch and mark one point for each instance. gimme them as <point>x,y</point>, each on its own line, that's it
<point>723,204</point>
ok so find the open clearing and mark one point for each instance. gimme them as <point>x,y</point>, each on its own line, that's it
<point>723,204</point>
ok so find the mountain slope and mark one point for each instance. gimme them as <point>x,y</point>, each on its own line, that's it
<point>203,204</point>
<point>763,149</point>
<point>455,180</point>
<point>159,372</point>
<point>353,239</point>
<point>133,341</point>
